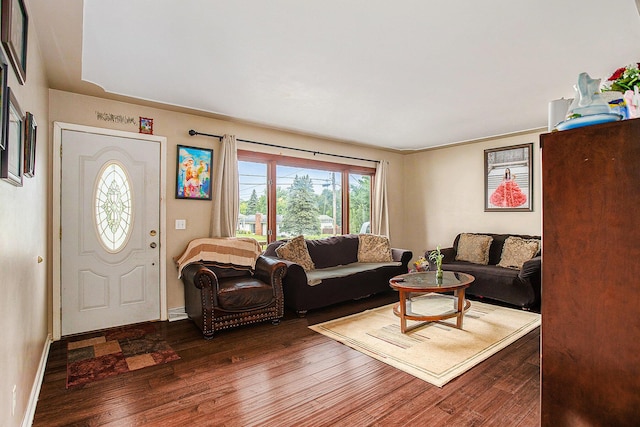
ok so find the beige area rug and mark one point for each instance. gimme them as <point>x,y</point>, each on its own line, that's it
<point>436,352</point>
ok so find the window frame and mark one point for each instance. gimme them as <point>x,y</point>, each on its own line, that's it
<point>274,160</point>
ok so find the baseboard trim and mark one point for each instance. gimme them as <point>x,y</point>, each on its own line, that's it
<point>177,313</point>
<point>30,413</point>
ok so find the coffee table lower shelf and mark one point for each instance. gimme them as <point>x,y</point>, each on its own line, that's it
<point>457,312</point>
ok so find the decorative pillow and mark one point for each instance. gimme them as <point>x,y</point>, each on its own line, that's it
<point>295,250</point>
<point>334,250</point>
<point>374,248</point>
<point>474,248</point>
<point>517,250</point>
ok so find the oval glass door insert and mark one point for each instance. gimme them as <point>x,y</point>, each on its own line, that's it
<point>113,206</point>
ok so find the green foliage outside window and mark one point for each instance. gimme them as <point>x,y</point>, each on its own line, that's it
<point>307,201</point>
<point>301,213</point>
<point>359,203</point>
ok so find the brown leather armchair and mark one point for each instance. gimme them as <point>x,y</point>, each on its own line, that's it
<point>220,296</point>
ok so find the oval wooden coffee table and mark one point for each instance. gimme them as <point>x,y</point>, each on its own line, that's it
<point>426,282</point>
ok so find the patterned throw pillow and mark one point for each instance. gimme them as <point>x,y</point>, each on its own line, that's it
<point>373,248</point>
<point>517,250</point>
<point>295,250</point>
<point>474,248</point>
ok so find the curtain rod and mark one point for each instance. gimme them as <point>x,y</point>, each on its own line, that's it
<point>193,133</point>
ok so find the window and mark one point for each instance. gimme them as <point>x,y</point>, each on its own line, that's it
<point>360,203</point>
<point>253,201</point>
<point>282,197</point>
<point>112,207</point>
<point>311,202</point>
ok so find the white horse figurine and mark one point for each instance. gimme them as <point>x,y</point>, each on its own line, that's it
<point>587,101</point>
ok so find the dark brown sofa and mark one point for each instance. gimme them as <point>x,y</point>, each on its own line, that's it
<point>338,276</point>
<point>520,288</point>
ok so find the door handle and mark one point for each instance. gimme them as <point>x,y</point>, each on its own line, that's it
<point>153,245</point>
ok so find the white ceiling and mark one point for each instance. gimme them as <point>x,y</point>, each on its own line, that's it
<point>404,74</point>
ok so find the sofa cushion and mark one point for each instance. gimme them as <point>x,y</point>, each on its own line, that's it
<point>374,248</point>
<point>316,277</point>
<point>334,250</point>
<point>517,250</point>
<point>474,248</point>
<point>295,250</point>
<point>504,276</point>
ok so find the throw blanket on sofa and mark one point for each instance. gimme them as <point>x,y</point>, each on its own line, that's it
<point>228,250</point>
<point>315,277</point>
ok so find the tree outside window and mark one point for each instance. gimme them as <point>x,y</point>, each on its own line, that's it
<point>303,197</point>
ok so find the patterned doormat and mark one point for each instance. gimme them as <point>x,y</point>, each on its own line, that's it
<point>116,351</point>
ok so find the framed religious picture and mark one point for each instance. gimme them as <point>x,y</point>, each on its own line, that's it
<point>193,173</point>
<point>508,183</point>
<point>12,159</point>
<point>146,125</point>
<point>30,128</point>
<point>15,26</point>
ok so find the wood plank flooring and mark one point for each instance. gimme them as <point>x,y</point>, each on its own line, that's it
<point>288,375</point>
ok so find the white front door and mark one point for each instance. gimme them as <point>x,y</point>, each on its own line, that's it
<point>110,225</point>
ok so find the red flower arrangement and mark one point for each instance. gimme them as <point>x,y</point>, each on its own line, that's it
<point>623,79</point>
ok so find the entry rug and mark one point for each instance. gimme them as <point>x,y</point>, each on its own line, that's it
<point>116,351</point>
<point>436,352</point>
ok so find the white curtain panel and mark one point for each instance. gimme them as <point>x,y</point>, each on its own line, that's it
<point>380,220</point>
<point>226,203</point>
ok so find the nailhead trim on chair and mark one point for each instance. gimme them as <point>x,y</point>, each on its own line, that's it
<point>229,321</point>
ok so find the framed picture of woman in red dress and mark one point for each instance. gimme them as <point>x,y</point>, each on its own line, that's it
<point>508,184</point>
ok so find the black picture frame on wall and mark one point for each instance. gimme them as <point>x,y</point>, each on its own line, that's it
<point>12,159</point>
<point>30,131</point>
<point>15,29</point>
<point>4,69</point>
<point>508,179</point>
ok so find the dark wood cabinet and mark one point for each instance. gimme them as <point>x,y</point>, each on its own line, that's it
<point>591,276</point>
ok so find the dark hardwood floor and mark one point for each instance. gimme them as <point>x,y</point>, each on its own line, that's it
<point>288,375</point>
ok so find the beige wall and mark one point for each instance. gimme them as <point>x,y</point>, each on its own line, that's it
<point>444,195</point>
<point>79,109</point>
<point>23,238</point>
